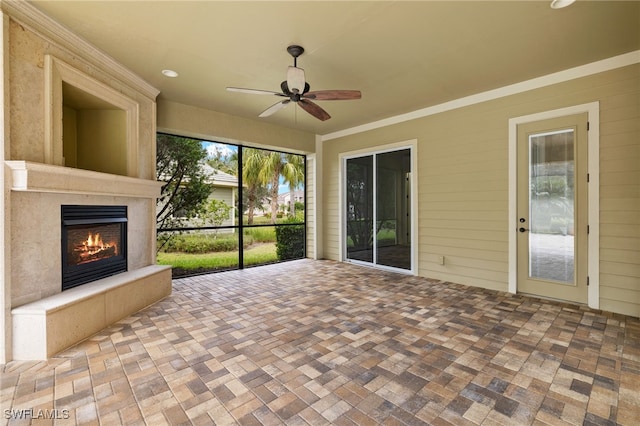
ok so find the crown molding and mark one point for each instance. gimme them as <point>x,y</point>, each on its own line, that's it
<point>597,67</point>
<point>28,15</point>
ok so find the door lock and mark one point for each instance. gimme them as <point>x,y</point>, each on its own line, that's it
<point>523,230</point>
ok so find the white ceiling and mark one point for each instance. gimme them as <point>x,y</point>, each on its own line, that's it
<point>403,56</point>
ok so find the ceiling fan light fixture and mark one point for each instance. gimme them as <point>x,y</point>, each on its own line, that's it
<point>295,79</point>
<point>559,4</point>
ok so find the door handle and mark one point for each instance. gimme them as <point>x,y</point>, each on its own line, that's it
<point>522,220</point>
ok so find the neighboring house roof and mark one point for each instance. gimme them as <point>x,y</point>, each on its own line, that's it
<point>214,177</point>
<point>219,178</point>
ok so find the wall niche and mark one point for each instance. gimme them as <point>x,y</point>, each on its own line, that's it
<point>89,125</point>
<point>94,133</point>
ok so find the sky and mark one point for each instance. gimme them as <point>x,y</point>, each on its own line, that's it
<point>225,149</point>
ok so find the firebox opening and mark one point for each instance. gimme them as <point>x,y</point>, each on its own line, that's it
<point>94,242</point>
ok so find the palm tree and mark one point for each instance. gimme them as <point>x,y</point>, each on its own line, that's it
<point>293,174</point>
<point>270,174</point>
<point>252,164</point>
<point>265,168</point>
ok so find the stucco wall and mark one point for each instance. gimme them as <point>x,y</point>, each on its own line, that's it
<point>186,120</point>
<point>31,220</point>
<point>36,216</point>
<point>27,50</point>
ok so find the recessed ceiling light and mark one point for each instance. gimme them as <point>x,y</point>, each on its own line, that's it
<point>559,4</point>
<point>169,73</point>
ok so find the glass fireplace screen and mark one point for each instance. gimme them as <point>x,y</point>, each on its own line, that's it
<point>94,243</point>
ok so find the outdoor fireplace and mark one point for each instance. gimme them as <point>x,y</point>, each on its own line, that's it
<point>94,243</point>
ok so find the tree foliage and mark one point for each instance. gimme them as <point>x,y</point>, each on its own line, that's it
<point>293,174</point>
<point>223,161</point>
<point>252,161</point>
<point>290,241</point>
<point>178,163</point>
<point>213,213</point>
<point>270,174</point>
<point>264,169</point>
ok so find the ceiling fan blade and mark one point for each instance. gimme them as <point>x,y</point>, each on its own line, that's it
<point>295,79</point>
<point>333,95</point>
<point>274,108</point>
<point>254,91</point>
<point>314,110</point>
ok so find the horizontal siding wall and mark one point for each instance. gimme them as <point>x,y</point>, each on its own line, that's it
<point>331,163</point>
<point>225,194</point>
<point>310,207</point>
<point>620,195</point>
<point>463,184</point>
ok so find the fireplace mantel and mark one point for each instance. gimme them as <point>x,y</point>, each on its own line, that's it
<point>37,177</point>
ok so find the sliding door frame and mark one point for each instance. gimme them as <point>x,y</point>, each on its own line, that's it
<point>412,146</point>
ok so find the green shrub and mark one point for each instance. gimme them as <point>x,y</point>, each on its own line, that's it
<point>261,234</point>
<point>290,241</point>
<point>222,244</point>
<point>201,243</point>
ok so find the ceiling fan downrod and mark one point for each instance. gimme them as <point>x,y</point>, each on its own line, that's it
<point>295,51</point>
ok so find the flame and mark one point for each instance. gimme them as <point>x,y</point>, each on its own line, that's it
<point>94,244</point>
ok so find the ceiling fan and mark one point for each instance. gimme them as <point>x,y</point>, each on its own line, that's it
<point>296,89</point>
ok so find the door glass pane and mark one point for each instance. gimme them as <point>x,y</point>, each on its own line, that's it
<point>392,209</point>
<point>359,194</point>
<point>551,205</point>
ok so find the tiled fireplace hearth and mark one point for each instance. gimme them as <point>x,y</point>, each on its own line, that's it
<point>55,306</point>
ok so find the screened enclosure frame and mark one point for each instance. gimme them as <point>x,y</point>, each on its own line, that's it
<point>239,225</point>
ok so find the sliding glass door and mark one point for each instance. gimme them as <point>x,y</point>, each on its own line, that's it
<point>378,209</point>
<point>360,208</point>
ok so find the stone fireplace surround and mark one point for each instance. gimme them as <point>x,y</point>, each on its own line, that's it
<point>45,68</point>
<point>45,319</point>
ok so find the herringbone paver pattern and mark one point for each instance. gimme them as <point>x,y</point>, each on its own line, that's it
<point>310,342</point>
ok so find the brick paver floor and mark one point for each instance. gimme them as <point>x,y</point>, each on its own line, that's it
<point>322,342</point>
